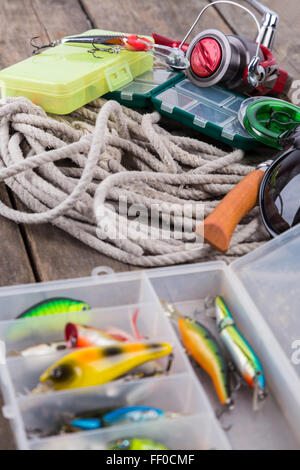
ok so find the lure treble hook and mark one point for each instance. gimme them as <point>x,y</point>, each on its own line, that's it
<point>95,49</point>
<point>37,48</point>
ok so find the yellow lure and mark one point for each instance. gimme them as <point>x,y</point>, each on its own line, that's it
<point>99,365</point>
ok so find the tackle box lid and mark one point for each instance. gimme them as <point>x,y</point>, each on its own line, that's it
<point>269,278</point>
<point>66,69</point>
<point>270,275</point>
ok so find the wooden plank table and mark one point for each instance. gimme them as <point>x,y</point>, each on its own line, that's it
<point>43,253</point>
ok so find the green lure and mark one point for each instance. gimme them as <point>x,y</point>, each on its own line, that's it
<point>54,306</point>
<point>137,444</point>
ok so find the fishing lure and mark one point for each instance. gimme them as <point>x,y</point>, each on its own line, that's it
<point>137,444</point>
<point>41,349</point>
<point>203,347</point>
<point>134,414</point>
<point>97,420</point>
<point>54,306</point>
<point>99,365</point>
<point>79,336</point>
<point>242,355</point>
<point>117,42</point>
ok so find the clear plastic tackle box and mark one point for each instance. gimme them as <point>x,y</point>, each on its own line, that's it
<point>262,291</point>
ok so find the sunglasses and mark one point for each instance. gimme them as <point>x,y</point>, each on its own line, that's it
<point>279,198</point>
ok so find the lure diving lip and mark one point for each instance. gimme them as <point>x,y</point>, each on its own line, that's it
<point>54,306</point>
<point>242,354</point>
<point>99,365</point>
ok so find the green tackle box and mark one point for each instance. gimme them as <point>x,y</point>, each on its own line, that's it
<point>139,92</point>
<point>66,77</point>
<point>212,111</point>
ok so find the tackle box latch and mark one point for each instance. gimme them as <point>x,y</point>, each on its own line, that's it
<point>200,122</point>
<point>118,76</point>
<point>167,108</point>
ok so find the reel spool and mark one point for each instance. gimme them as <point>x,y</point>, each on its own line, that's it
<point>219,59</point>
<point>235,62</point>
<point>268,120</point>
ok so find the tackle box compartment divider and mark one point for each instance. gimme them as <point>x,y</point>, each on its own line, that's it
<point>262,292</point>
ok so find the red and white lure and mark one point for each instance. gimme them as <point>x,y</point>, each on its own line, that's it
<point>81,336</point>
<point>114,43</point>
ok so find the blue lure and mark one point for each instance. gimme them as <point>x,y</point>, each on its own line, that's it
<point>86,424</point>
<point>134,414</point>
<point>131,414</point>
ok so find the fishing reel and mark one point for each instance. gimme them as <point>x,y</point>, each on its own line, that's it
<point>235,62</point>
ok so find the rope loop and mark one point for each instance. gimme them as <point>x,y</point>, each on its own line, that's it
<point>102,172</point>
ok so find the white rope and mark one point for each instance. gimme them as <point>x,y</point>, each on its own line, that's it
<point>69,170</point>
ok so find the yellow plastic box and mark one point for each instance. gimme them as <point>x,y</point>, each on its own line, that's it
<point>65,77</point>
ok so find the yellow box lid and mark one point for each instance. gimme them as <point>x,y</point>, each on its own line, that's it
<point>67,69</point>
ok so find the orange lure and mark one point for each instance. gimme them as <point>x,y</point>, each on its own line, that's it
<point>202,346</point>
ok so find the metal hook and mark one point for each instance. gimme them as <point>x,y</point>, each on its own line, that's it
<point>259,395</point>
<point>110,50</point>
<point>37,49</point>
<point>236,377</point>
<point>94,51</point>
<point>208,308</point>
<point>220,413</point>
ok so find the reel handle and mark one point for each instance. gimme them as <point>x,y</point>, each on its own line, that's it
<point>221,223</point>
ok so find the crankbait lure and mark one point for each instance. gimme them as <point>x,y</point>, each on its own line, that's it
<point>116,41</point>
<point>133,414</point>
<point>242,355</point>
<point>97,366</point>
<point>54,306</point>
<point>203,347</point>
<point>137,444</point>
<point>79,336</point>
<point>41,349</point>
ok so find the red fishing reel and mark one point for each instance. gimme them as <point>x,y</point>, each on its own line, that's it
<point>216,58</point>
<point>233,61</point>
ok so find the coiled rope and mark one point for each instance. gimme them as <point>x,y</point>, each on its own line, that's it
<point>68,170</point>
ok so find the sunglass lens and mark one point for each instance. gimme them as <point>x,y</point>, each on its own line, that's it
<point>280,193</point>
